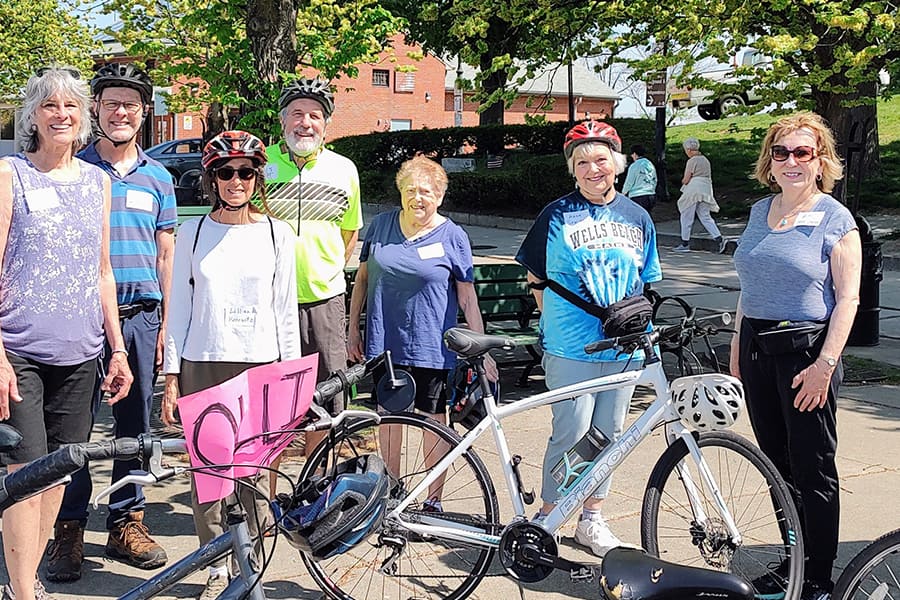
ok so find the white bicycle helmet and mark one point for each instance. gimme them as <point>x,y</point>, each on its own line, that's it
<point>708,402</point>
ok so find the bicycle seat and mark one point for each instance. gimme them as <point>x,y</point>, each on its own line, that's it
<point>630,573</point>
<point>468,344</point>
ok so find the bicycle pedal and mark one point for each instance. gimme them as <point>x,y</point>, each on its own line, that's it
<point>582,575</point>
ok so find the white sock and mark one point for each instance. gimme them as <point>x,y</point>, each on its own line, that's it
<point>591,515</point>
<point>218,572</point>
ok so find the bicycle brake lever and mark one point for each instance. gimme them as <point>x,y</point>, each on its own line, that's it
<point>144,479</point>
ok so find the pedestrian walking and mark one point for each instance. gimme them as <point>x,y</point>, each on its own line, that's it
<point>640,183</point>
<point>697,198</point>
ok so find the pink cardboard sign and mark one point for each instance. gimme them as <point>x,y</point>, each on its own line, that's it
<point>226,424</point>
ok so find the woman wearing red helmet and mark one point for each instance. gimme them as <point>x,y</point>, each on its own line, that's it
<point>601,247</point>
<point>232,302</point>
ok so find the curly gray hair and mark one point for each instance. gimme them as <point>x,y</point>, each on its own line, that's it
<point>51,81</point>
<point>691,144</point>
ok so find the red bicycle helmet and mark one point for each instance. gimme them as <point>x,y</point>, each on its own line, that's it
<point>592,131</point>
<point>234,144</point>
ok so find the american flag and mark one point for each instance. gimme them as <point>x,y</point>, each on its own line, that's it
<point>494,161</point>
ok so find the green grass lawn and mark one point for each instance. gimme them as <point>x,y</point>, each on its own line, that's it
<point>732,146</point>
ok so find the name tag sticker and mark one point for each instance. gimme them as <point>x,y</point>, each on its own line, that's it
<point>41,199</point>
<point>271,171</point>
<point>138,200</point>
<point>809,219</point>
<point>431,251</point>
<point>575,217</point>
<point>240,317</point>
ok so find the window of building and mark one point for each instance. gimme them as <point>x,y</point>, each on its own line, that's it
<point>401,124</point>
<point>381,78</point>
<point>405,82</point>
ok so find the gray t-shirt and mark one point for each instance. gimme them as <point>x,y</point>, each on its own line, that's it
<point>786,275</point>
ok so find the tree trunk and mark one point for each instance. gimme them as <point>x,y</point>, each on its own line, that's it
<point>272,31</point>
<point>856,133</point>
<point>216,121</point>
<point>493,114</point>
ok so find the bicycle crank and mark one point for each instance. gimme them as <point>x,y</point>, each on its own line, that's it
<point>529,554</point>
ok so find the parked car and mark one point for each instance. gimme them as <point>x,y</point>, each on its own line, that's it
<point>182,159</point>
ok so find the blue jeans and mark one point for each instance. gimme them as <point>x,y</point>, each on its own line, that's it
<point>132,417</point>
<point>572,418</point>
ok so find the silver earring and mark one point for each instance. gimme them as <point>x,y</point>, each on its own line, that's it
<point>771,178</point>
<point>819,177</point>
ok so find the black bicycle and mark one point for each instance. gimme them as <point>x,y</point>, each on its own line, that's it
<point>689,349</point>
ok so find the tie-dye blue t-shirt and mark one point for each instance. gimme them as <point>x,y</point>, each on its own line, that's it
<point>603,253</point>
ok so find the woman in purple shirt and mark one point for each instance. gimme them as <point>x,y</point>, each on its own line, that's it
<point>57,296</point>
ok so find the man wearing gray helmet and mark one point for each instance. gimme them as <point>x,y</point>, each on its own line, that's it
<point>317,192</point>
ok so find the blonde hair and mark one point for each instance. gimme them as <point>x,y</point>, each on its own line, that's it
<point>826,150</point>
<point>586,148</point>
<point>420,167</point>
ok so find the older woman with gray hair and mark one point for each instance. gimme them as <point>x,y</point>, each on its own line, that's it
<point>57,298</point>
<point>697,197</point>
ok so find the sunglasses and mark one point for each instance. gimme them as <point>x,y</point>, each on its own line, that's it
<point>801,153</point>
<point>227,173</point>
<point>75,73</point>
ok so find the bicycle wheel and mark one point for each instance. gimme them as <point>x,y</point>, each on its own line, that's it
<point>770,552</point>
<point>680,362</point>
<point>424,567</point>
<point>874,573</point>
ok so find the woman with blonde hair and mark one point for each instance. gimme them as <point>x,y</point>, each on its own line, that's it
<point>697,198</point>
<point>799,263</point>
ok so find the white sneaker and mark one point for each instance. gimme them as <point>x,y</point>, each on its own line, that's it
<point>215,585</point>
<point>723,244</point>
<point>597,536</point>
<point>681,248</point>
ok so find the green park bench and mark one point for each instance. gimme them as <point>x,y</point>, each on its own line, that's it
<point>507,309</point>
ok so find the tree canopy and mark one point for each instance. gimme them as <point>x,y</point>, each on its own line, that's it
<point>37,33</point>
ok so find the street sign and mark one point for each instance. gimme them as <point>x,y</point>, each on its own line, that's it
<point>656,89</point>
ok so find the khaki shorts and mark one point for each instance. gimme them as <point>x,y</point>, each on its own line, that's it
<point>323,329</point>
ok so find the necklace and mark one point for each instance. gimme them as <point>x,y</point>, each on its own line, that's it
<point>784,219</point>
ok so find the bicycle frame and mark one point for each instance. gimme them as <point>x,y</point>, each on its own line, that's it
<point>660,412</point>
<point>236,539</point>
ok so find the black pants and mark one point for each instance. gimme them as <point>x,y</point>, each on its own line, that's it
<point>645,202</point>
<point>801,444</point>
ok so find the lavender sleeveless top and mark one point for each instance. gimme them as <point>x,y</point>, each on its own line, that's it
<point>50,283</point>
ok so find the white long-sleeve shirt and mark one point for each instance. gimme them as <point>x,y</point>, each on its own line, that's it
<point>243,304</point>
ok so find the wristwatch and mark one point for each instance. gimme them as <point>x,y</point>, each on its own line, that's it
<point>830,361</point>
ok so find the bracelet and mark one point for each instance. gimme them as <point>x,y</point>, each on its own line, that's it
<point>122,350</point>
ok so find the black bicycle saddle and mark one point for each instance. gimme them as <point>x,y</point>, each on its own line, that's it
<point>634,574</point>
<point>468,344</point>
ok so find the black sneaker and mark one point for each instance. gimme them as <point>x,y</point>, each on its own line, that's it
<point>814,590</point>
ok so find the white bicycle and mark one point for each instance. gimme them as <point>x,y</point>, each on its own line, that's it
<point>713,499</point>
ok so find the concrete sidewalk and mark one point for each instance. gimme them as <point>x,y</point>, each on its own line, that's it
<point>868,457</point>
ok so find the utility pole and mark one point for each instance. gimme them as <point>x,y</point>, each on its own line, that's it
<point>571,95</point>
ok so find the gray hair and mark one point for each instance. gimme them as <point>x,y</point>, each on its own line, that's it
<point>691,144</point>
<point>55,80</point>
<point>619,159</point>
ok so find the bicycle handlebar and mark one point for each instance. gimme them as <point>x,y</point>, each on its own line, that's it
<point>53,468</point>
<point>649,338</point>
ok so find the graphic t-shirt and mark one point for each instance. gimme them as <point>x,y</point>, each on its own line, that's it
<point>603,253</point>
<point>143,202</point>
<point>411,297</point>
<point>327,190</point>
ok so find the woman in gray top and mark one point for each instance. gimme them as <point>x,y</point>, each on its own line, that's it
<point>57,298</point>
<point>798,261</point>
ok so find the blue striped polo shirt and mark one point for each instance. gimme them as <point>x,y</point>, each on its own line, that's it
<point>143,202</point>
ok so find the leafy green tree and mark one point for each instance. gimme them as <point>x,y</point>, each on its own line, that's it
<point>507,41</point>
<point>825,54</point>
<point>234,54</point>
<point>36,33</point>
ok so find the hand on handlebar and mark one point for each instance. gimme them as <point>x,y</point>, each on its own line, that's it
<point>118,377</point>
<point>9,387</point>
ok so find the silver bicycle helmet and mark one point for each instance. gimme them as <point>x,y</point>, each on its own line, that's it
<point>709,401</point>
<point>316,89</point>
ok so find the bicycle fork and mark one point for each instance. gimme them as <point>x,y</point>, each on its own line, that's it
<point>703,523</point>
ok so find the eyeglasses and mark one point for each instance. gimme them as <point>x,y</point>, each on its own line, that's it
<point>227,173</point>
<point>132,108</point>
<point>801,153</point>
<point>75,73</point>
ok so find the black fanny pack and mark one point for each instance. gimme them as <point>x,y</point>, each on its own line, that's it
<point>786,337</point>
<point>629,315</point>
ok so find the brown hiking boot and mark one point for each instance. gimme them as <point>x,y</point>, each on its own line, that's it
<point>66,552</point>
<point>130,542</point>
